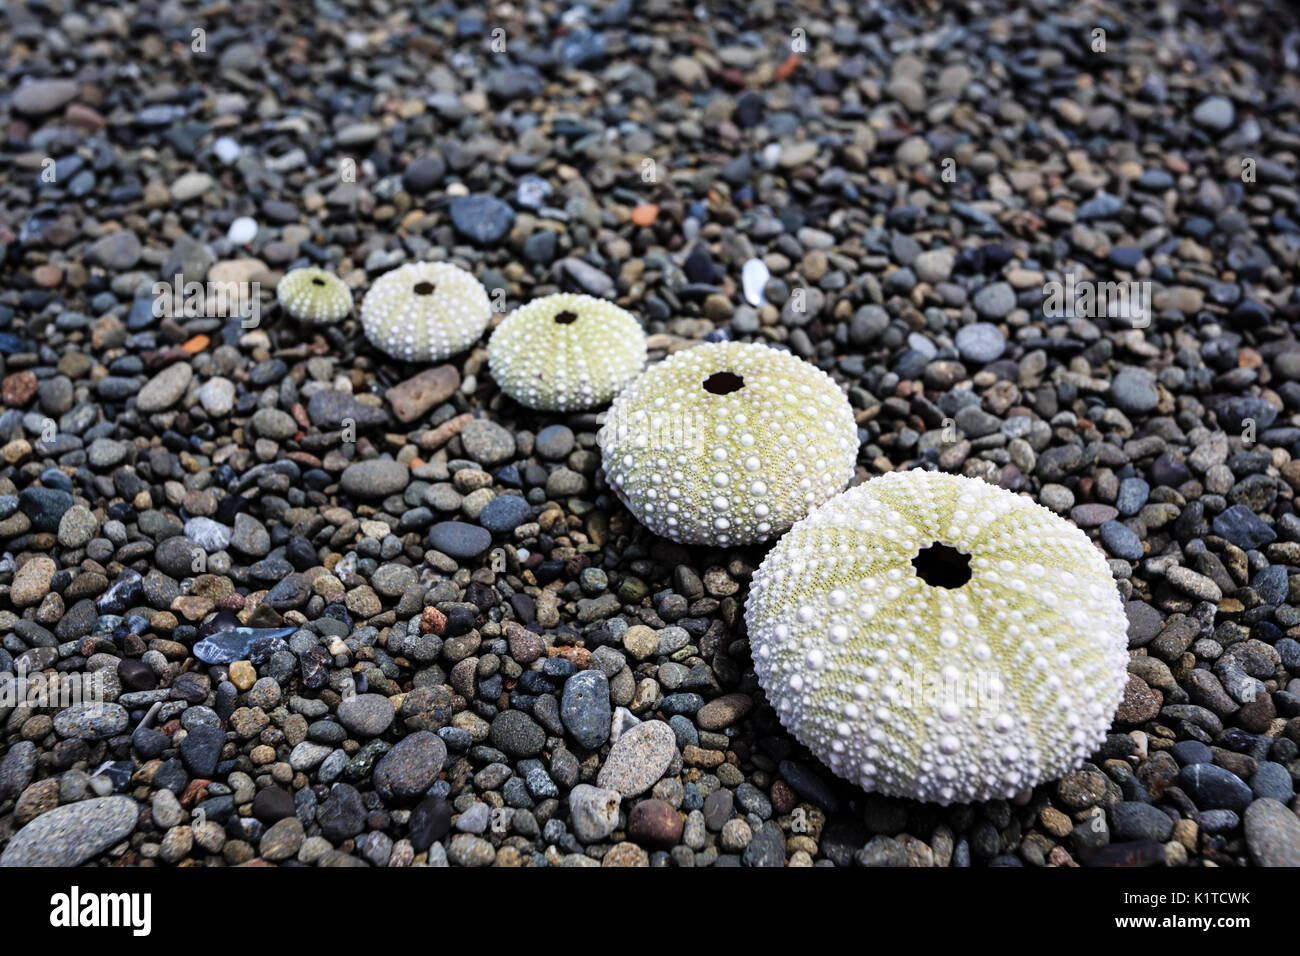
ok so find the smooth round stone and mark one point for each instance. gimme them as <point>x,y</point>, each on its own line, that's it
<point>487,443</point>
<point>1271,780</point>
<point>554,442</point>
<point>1215,112</point>
<point>242,231</point>
<point>981,342</point>
<point>994,301</point>
<point>481,219</point>
<point>1133,391</point>
<point>377,478</point>
<point>366,715</point>
<point>517,734</point>
<point>1092,515</point>
<point>505,513</point>
<point>392,580</point>
<point>456,539</point>
<point>424,173</point>
<point>44,506</point>
<point>411,767</point>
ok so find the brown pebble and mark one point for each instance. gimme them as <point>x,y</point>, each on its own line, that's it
<point>655,823</point>
<point>415,396</point>
<point>433,440</point>
<point>17,389</point>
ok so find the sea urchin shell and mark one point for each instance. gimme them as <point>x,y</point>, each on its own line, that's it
<point>728,443</point>
<point>425,311</point>
<point>936,637</point>
<point>566,352</point>
<point>314,295</point>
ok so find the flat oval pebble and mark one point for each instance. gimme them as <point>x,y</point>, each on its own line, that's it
<point>70,835</point>
<point>638,758</point>
<point>460,540</point>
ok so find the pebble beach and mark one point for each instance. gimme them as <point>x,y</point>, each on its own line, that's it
<point>340,609</point>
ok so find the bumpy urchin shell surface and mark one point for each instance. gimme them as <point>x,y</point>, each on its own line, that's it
<point>944,692</point>
<point>425,311</point>
<point>314,295</point>
<point>566,352</point>
<point>728,443</point>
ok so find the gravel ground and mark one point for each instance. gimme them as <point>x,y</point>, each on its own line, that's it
<point>460,649</point>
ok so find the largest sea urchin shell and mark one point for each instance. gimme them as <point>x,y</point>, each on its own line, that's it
<point>935,637</point>
<point>728,443</point>
<point>425,311</point>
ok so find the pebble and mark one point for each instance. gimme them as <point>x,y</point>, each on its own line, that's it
<point>1211,787</point>
<point>593,812</point>
<point>981,342</point>
<point>366,715</point>
<point>37,97</point>
<point>481,219</point>
<point>411,767</point>
<point>376,478</point>
<point>994,301</point>
<point>72,834</point>
<point>638,758</point>
<point>1272,834</point>
<point>91,720</point>
<point>585,708</point>
<point>459,540</point>
<point>487,442</point>
<point>165,389</point>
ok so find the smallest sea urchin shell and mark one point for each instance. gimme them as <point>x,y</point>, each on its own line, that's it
<point>936,637</point>
<point>314,295</point>
<point>425,311</point>
<point>566,352</point>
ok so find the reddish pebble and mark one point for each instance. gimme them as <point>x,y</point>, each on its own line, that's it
<point>655,823</point>
<point>433,621</point>
<point>645,215</point>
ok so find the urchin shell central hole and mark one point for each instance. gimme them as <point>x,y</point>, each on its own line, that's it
<point>942,567</point>
<point>423,288</point>
<point>566,317</point>
<point>724,383</point>
<point>318,281</point>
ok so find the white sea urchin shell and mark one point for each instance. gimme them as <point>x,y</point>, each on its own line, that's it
<point>728,443</point>
<point>425,311</point>
<point>933,691</point>
<point>314,295</point>
<point>566,352</point>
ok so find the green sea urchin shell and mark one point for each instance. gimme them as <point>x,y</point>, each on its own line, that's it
<point>566,352</point>
<point>936,637</point>
<point>728,443</point>
<point>314,295</point>
<point>425,311</point>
